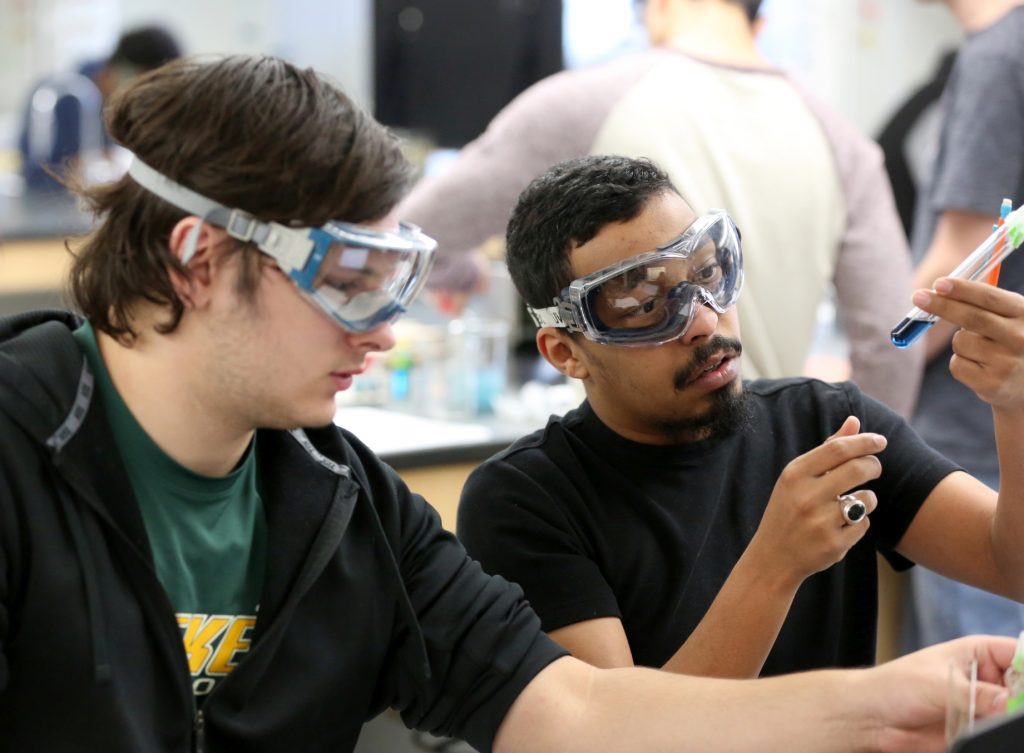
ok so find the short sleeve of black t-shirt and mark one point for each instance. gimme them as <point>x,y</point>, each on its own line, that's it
<point>593,525</point>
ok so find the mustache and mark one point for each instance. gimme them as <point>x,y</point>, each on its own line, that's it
<point>701,354</point>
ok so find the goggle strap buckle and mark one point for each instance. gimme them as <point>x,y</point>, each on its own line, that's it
<point>290,247</point>
<point>544,317</point>
<point>567,315</point>
<point>562,314</point>
<point>287,245</point>
<point>241,225</point>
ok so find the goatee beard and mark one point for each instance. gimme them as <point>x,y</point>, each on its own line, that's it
<point>729,412</point>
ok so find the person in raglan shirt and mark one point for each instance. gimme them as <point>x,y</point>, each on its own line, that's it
<point>183,568</point>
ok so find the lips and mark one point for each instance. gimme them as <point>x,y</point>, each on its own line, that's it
<point>343,379</point>
<point>709,365</point>
<point>351,372</point>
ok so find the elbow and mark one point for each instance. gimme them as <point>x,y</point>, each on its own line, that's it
<point>551,712</point>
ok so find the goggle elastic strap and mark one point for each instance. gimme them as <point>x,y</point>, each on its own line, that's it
<point>289,247</point>
<point>191,241</point>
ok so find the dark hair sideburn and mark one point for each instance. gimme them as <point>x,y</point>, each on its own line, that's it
<point>253,133</point>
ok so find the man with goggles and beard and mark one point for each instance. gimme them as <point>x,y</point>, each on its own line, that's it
<point>183,568</point>
<point>683,519</point>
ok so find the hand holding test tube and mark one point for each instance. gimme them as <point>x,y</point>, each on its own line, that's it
<point>1004,240</point>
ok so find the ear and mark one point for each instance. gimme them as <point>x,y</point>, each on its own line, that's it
<point>562,352</point>
<point>194,284</point>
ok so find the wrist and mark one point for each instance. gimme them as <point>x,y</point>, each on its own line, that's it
<point>867,720</point>
<point>1013,412</point>
<point>767,573</point>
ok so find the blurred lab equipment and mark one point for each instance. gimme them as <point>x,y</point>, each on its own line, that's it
<point>477,365</point>
<point>64,118</point>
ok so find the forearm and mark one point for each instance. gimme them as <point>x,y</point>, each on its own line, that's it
<point>1008,520</point>
<point>647,711</point>
<point>572,707</point>
<point>738,631</point>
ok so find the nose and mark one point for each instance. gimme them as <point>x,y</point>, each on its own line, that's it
<point>378,339</point>
<point>703,326</point>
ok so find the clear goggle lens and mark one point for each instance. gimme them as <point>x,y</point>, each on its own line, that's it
<point>654,297</point>
<point>364,278</point>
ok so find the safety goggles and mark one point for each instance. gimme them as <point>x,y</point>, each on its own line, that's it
<point>362,278</point>
<point>653,297</point>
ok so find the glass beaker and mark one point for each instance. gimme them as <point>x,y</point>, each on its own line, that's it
<point>477,365</point>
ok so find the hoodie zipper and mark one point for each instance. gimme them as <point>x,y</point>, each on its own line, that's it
<point>199,732</point>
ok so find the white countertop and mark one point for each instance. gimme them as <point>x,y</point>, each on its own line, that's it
<point>388,432</point>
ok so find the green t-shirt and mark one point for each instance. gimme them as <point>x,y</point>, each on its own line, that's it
<point>208,536</point>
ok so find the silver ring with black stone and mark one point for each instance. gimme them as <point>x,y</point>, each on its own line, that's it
<point>853,509</point>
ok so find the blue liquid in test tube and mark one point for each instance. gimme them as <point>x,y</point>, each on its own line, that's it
<point>1005,238</point>
<point>904,333</point>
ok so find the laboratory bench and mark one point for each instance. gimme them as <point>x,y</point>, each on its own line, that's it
<point>432,455</point>
<point>33,257</point>
<point>42,215</point>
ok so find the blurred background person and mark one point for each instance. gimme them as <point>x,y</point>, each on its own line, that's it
<point>909,139</point>
<point>979,161</point>
<point>63,118</point>
<point>807,190</point>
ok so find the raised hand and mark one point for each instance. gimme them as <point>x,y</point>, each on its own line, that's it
<point>988,350</point>
<point>803,530</point>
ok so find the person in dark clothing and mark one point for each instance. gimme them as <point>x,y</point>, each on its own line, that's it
<point>905,157</point>
<point>684,519</point>
<point>63,117</point>
<point>977,163</point>
<point>183,568</point>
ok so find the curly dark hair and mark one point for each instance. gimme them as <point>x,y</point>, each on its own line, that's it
<point>566,207</point>
<point>251,132</point>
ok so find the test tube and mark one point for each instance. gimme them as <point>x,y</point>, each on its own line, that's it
<point>1004,239</point>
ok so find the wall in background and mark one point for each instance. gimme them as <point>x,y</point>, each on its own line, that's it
<point>861,56</point>
<point>38,37</point>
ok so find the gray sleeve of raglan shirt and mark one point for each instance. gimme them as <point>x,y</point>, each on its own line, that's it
<point>554,120</point>
<point>873,274</point>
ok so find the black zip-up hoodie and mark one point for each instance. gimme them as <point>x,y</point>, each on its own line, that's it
<point>367,602</point>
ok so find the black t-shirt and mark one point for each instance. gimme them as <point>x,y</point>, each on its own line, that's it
<point>591,524</point>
